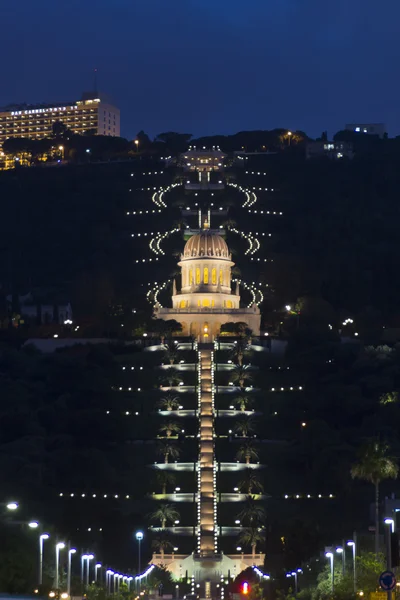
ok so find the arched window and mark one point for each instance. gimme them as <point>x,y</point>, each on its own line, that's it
<point>198,302</point>
<point>221,276</point>
<point>190,276</point>
<point>182,304</point>
<point>205,275</point>
<point>206,302</point>
<point>214,276</point>
<point>197,275</point>
<point>212,303</point>
<point>228,304</point>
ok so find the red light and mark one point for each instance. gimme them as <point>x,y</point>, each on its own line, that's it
<point>245,588</point>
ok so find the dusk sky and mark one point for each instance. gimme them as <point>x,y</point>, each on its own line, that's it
<point>210,66</point>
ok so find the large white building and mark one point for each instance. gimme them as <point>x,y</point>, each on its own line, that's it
<point>94,112</point>
<point>205,300</point>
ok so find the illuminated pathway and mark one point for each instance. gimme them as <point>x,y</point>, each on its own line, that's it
<point>207,507</point>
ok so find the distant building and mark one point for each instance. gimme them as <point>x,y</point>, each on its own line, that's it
<point>333,150</point>
<point>368,128</point>
<point>93,112</point>
<point>42,311</point>
<point>203,159</point>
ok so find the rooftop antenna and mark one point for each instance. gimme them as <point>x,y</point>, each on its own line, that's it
<point>95,81</point>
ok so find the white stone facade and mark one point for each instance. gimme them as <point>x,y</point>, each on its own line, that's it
<point>206,300</point>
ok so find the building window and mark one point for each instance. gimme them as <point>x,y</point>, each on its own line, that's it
<point>198,280</point>
<point>190,276</point>
<point>212,303</point>
<point>228,304</point>
<point>182,304</point>
<point>198,302</point>
<point>205,275</point>
<point>214,276</point>
<point>220,276</point>
<point>206,302</point>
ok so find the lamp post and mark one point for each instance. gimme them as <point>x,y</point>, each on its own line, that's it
<point>139,537</point>
<point>89,557</point>
<point>59,546</point>
<point>330,556</point>
<point>83,558</point>
<point>129,583</point>
<point>116,575</point>
<point>109,573</point>
<point>96,567</point>
<point>137,145</point>
<point>352,544</point>
<point>44,536</point>
<point>340,550</point>
<point>390,530</point>
<point>71,551</point>
<point>289,134</point>
<point>294,574</point>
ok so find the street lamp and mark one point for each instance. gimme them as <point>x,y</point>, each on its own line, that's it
<point>33,524</point>
<point>116,575</point>
<point>44,536</point>
<point>137,145</point>
<point>129,583</point>
<point>83,558</point>
<point>89,557</point>
<point>390,523</point>
<point>330,556</point>
<point>97,566</point>
<point>139,537</point>
<point>340,550</point>
<point>352,545</point>
<point>109,573</point>
<point>59,546</point>
<point>289,133</point>
<point>12,506</point>
<point>70,553</point>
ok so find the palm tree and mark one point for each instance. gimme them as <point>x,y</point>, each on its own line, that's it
<point>389,398</point>
<point>170,427</point>
<point>244,426</point>
<point>374,465</point>
<point>250,481</point>
<point>162,543</point>
<point>247,452</point>
<point>171,353</point>
<point>165,513</point>
<point>241,374</point>
<point>168,450</point>
<point>243,401</point>
<point>252,514</point>
<point>165,478</point>
<point>170,376</point>
<point>168,402</point>
<point>251,536</point>
<point>239,350</point>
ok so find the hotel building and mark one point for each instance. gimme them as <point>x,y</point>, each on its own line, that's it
<point>94,112</point>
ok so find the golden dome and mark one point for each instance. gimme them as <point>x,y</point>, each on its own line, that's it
<point>207,244</point>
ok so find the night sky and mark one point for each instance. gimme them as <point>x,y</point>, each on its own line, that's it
<point>210,66</point>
